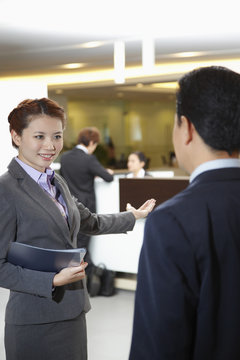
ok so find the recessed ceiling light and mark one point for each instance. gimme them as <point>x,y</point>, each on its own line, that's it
<point>188,54</point>
<point>72,66</point>
<point>91,44</point>
<point>165,85</point>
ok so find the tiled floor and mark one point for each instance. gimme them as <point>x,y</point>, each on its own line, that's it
<point>109,325</point>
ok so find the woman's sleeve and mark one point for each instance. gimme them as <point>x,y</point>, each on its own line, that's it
<point>94,224</point>
<point>98,170</point>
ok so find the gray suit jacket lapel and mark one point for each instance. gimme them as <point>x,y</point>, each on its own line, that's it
<point>60,185</point>
<point>38,195</point>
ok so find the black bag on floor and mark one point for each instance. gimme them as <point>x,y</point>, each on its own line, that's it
<point>94,281</point>
<point>107,283</point>
<point>100,281</point>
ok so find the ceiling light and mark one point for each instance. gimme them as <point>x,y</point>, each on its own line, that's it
<point>148,54</point>
<point>119,62</point>
<point>165,85</point>
<point>160,72</point>
<point>72,66</point>
<point>91,44</point>
<point>188,54</point>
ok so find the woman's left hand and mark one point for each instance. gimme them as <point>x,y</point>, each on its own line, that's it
<point>70,275</point>
<point>144,210</point>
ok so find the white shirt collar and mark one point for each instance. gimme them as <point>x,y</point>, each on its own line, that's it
<point>83,148</point>
<point>35,174</point>
<point>140,174</point>
<point>213,165</point>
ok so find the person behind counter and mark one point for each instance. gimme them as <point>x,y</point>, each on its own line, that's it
<point>79,167</point>
<point>45,314</point>
<point>136,164</point>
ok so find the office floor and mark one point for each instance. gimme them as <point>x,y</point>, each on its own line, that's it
<point>109,325</point>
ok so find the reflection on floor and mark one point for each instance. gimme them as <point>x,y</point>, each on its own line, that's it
<point>109,325</point>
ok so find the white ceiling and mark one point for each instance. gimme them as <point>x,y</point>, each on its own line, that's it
<point>38,37</point>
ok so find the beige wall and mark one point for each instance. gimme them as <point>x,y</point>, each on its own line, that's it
<point>152,125</point>
<point>132,125</point>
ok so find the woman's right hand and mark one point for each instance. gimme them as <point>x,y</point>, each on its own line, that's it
<point>70,275</point>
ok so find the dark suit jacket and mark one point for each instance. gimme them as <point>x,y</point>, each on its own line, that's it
<point>79,170</point>
<point>188,293</point>
<point>28,215</point>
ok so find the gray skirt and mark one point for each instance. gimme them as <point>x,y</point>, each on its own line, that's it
<point>63,340</point>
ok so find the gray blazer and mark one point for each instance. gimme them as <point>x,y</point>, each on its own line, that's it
<point>28,215</point>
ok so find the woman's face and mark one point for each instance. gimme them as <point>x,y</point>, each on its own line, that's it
<point>41,142</point>
<point>134,164</point>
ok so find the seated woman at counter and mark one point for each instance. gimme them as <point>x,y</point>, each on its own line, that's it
<point>136,165</point>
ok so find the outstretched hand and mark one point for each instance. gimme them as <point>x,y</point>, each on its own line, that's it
<point>144,210</point>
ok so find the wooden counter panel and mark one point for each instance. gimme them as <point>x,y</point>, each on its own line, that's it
<point>137,191</point>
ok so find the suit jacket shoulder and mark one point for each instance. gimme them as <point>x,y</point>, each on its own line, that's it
<point>188,264</point>
<point>77,163</point>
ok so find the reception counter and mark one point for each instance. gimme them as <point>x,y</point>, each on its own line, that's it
<point>120,252</point>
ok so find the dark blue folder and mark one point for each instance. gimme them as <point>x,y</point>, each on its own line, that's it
<point>41,259</point>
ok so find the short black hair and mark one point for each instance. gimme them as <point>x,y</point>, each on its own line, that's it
<point>141,156</point>
<point>209,97</point>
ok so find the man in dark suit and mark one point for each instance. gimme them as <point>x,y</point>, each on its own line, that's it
<point>79,167</point>
<point>187,304</point>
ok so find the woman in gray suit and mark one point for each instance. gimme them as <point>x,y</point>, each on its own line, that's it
<point>45,314</point>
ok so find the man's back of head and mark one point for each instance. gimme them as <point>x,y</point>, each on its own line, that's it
<point>210,99</point>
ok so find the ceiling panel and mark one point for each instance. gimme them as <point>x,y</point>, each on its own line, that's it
<point>37,38</point>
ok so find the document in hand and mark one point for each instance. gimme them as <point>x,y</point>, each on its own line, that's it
<point>41,259</point>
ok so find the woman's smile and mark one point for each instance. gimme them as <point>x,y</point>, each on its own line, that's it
<point>41,142</point>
